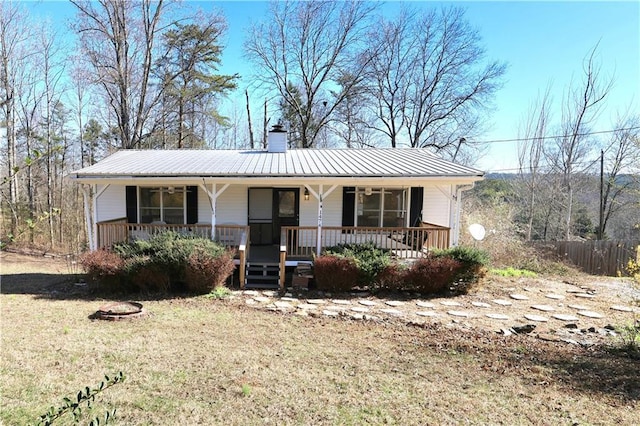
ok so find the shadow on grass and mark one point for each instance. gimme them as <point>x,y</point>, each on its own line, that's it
<point>64,287</point>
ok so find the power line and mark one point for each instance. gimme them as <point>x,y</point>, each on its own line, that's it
<point>538,138</point>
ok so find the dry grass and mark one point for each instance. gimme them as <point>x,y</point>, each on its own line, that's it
<point>201,361</point>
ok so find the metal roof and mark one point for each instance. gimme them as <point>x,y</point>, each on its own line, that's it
<point>388,162</point>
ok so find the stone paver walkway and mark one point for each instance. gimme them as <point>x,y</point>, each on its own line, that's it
<point>568,310</point>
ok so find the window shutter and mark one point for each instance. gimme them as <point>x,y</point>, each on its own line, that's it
<point>415,212</point>
<point>131,199</point>
<point>192,204</point>
<point>348,205</point>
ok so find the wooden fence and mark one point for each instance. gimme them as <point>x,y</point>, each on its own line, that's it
<point>598,257</point>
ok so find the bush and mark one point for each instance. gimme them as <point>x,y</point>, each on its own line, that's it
<point>392,278</point>
<point>466,255</point>
<point>204,272</point>
<point>473,266</point>
<point>369,259</point>
<point>104,269</point>
<point>162,263</point>
<point>431,274</point>
<point>335,273</point>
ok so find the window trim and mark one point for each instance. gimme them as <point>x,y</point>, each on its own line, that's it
<point>406,199</point>
<point>163,189</point>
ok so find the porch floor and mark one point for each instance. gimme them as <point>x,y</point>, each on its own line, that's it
<point>267,253</point>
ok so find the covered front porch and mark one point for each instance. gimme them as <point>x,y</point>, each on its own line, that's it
<point>297,243</point>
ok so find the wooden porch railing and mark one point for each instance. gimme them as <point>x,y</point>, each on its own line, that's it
<point>116,231</point>
<point>408,243</point>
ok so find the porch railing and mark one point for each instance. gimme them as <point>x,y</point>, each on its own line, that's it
<point>301,241</point>
<point>118,230</point>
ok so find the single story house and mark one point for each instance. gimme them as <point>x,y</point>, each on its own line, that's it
<point>279,206</point>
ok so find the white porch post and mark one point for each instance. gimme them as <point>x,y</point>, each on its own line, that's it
<point>213,199</point>
<point>320,195</point>
<point>92,223</point>
<point>95,216</point>
<point>319,239</point>
<point>214,202</point>
<point>86,196</point>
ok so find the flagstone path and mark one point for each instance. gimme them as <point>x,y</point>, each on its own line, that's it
<point>550,308</point>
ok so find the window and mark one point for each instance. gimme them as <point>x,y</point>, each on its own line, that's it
<point>380,207</point>
<point>162,205</point>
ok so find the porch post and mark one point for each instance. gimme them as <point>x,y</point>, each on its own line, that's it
<point>319,239</point>
<point>87,217</point>
<point>213,197</point>
<point>95,217</point>
<point>320,197</point>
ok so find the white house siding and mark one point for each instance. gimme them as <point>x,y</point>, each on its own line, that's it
<point>204,207</point>
<point>111,203</point>
<point>231,206</point>
<point>331,211</point>
<point>436,206</point>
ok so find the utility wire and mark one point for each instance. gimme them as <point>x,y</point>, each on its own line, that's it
<point>538,138</point>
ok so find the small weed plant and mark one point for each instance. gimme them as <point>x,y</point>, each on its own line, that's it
<point>85,399</point>
<point>218,293</point>
<point>633,269</point>
<point>514,273</point>
<point>630,339</point>
<point>246,390</point>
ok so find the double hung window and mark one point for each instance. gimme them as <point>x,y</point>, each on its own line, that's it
<point>377,207</point>
<point>162,205</point>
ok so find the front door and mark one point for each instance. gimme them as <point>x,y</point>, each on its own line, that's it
<point>269,210</point>
<point>286,210</point>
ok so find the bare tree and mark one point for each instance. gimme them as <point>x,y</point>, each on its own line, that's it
<point>569,152</point>
<point>388,73</point>
<point>431,78</point>
<point>118,39</point>
<point>14,36</point>
<point>302,51</point>
<point>621,156</point>
<point>530,157</point>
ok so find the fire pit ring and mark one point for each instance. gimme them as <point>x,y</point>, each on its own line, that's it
<point>115,311</point>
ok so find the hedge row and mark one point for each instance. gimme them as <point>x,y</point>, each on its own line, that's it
<point>342,268</point>
<point>168,261</point>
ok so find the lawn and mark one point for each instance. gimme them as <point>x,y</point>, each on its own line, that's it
<point>201,361</point>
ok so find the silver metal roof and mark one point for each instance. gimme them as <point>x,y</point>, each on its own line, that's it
<point>293,163</point>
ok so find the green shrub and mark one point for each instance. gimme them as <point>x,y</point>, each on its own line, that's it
<point>369,259</point>
<point>473,267</point>
<point>464,254</point>
<point>161,263</point>
<point>335,273</point>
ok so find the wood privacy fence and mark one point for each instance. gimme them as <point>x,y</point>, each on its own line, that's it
<point>598,257</point>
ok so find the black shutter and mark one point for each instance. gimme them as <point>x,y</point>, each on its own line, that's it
<point>131,197</point>
<point>348,205</point>
<point>415,212</point>
<point>192,204</point>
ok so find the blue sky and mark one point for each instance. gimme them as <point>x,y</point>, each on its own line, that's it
<point>543,43</point>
